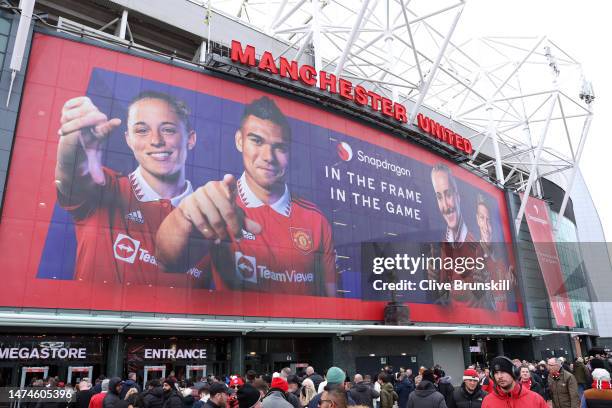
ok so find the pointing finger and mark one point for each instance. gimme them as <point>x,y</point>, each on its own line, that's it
<point>218,194</point>
<point>230,184</point>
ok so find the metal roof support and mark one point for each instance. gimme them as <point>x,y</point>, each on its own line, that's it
<point>281,20</point>
<point>432,72</point>
<point>414,50</point>
<point>279,10</point>
<point>121,29</point>
<point>316,36</point>
<point>354,33</point>
<point>492,133</point>
<point>568,190</point>
<point>534,166</point>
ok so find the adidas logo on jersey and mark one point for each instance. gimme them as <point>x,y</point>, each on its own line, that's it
<point>248,235</point>
<point>135,216</point>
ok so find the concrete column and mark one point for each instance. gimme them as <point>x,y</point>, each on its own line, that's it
<point>467,356</point>
<point>588,344</point>
<point>115,356</point>
<point>500,347</point>
<point>238,355</point>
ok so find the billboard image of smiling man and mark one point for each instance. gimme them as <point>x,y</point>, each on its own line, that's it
<point>497,268</point>
<point>449,204</point>
<point>458,243</point>
<point>116,216</point>
<point>258,235</point>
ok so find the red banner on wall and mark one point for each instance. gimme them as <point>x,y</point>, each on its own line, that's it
<point>548,258</point>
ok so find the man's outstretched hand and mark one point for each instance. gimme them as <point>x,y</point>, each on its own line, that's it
<point>213,211</point>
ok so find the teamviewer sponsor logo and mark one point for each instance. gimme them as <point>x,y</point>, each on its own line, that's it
<point>246,267</point>
<point>126,248</point>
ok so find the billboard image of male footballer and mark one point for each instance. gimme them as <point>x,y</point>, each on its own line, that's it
<point>267,226</point>
<point>170,190</point>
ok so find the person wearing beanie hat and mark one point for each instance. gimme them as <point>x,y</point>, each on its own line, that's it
<point>248,397</point>
<point>508,392</point>
<point>600,394</point>
<point>171,381</point>
<point>470,394</point>
<point>171,398</point>
<point>337,377</point>
<point>279,383</point>
<point>236,382</point>
<point>277,396</point>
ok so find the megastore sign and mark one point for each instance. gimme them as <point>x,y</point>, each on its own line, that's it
<point>328,82</point>
<point>42,353</point>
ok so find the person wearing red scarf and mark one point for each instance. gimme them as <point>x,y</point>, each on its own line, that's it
<point>508,391</point>
<point>527,381</point>
<point>600,395</point>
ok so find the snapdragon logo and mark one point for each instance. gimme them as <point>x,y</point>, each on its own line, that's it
<point>344,151</point>
<point>383,164</point>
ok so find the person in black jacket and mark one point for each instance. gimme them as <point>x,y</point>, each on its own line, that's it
<point>153,397</point>
<point>130,383</point>
<point>363,393</point>
<point>316,378</point>
<point>84,395</point>
<point>469,395</point>
<point>171,397</point>
<point>217,396</point>
<point>443,383</point>
<point>112,397</point>
<point>528,380</point>
<point>403,388</point>
<point>426,395</point>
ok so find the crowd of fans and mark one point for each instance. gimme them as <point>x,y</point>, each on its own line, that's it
<point>503,383</point>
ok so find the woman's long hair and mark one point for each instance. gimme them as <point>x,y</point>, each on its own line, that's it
<point>307,392</point>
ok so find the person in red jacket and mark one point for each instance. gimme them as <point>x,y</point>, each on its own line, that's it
<point>508,393</point>
<point>97,399</point>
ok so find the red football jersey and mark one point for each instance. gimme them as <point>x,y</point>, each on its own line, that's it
<point>293,254</point>
<point>115,231</point>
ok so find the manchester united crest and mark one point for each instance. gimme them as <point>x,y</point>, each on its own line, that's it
<point>302,239</point>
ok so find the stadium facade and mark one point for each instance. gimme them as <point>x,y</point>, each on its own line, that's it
<point>358,166</point>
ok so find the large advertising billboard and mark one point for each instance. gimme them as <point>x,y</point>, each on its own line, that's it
<point>140,186</point>
<point>540,228</point>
